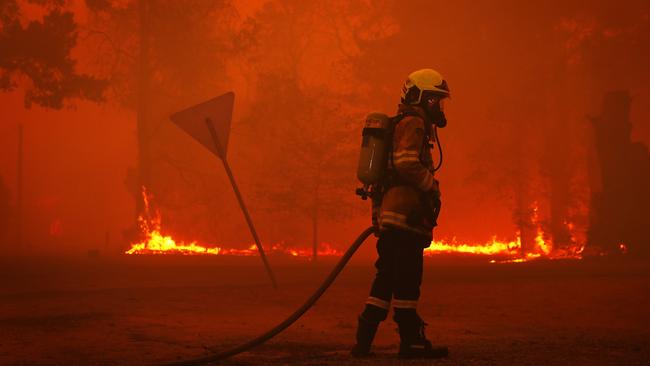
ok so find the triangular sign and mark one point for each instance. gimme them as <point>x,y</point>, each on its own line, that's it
<point>218,111</point>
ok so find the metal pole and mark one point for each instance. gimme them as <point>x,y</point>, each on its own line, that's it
<point>249,221</point>
<point>19,189</point>
<point>314,231</point>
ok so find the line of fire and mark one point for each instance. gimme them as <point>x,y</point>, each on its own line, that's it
<point>344,182</point>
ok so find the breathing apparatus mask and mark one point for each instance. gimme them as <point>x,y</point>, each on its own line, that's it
<point>434,107</point>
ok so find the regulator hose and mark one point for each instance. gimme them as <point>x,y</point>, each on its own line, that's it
<point>292,318</point>
<point>435,136</point>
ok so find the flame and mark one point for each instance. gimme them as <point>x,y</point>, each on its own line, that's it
<point>502,248</point>
<point>154,242</point>
<point>499,251</point>
<point>541,246</point>
<point>512,249</point>
<point>494,247</point>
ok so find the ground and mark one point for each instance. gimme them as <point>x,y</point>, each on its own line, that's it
<point>148,310</point>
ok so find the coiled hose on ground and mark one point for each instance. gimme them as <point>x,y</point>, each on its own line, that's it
<point>291,319</point>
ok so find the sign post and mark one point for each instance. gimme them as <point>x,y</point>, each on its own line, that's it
<point>203,122</point>
<point>19,190</point>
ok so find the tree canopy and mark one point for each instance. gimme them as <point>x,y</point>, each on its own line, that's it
<point>38,56</point>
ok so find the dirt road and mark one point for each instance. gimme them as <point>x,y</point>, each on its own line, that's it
<point>138,311</point>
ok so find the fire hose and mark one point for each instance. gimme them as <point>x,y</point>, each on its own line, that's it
<point>312,299</point>
<point>291,319</point>
<point>335,271</point>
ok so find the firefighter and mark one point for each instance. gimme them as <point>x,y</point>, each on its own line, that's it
<point>404,213</point>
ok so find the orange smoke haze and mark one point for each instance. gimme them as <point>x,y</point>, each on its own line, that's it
<point>524,76</point>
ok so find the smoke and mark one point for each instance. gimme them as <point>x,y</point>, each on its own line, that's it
<point>523,78</point>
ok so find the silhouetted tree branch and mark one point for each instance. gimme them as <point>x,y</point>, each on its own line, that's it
<point>38,56</point>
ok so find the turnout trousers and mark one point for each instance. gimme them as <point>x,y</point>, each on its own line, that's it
<point>398,278</point>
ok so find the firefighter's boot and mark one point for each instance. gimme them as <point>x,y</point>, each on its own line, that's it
<point>413,342</point>
<point>365,334</point>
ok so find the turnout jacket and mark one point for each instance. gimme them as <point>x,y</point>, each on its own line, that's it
<point>407,199</point>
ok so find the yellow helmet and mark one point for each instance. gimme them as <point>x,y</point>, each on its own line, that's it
<point>422,82</point>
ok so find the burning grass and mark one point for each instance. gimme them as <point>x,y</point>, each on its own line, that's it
<point>155,242</point>
<point>495,250</point>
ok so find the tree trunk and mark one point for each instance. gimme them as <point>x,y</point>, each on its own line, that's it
<point>19,190</point>
<point>523,215</point>
<point>619,208</point>
<point>143,132</point>
<point>560,196</point>
<point>314,221</point>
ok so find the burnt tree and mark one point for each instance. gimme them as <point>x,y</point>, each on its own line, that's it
<point>5,210</point>
<point>619,208</point>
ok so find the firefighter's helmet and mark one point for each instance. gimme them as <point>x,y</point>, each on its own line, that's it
<point>422,83</point>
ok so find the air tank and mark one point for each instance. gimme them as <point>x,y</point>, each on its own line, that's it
<point>374,149</point>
